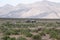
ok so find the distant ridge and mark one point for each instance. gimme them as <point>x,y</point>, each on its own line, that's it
<point>43,9</point>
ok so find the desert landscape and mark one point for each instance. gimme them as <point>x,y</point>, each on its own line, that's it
<point>29,29</point>
<point>29,20</point>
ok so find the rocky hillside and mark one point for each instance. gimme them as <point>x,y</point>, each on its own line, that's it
<point>42,9</point>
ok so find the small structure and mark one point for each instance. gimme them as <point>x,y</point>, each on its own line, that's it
<point>30,21</point>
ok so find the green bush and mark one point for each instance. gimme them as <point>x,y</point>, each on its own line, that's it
<point>42,34</point>
<point>9,32</point>
<point>13,38</point>
<point>36,37</point>
<point>28,34</point>
<point>35,30</point>
<point>24,31</point>
<point>58,37</point>
<point>21,38</point>
<point>8,38</point>
<point>53,34</point>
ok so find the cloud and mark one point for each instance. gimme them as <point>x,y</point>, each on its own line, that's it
<point>55,0</point>
<point>15,2</point>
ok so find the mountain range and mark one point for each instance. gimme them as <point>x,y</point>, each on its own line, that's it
<point>42,9</point>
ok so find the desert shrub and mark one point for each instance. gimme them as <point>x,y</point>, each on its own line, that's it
<point>45,31</point>
<point>8,38</point>
<point>42,34</point>
<point>9,32</point>
<point>36,37</point>
<point>25,25</point>
<point>5,37</point>
<point>21,38</point>
<point>35,30</point>
<point>13,38</point>
<point>53,34</point>
<point>51,25</point>
<point>28,34</point>
<point>25,32</point>
<point>58,37</point>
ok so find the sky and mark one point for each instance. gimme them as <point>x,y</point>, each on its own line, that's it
<point>15,2</point>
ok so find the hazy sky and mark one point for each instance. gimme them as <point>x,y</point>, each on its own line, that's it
<point>15,2</point>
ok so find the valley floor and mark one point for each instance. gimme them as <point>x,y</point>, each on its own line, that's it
<point>29,30</point>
